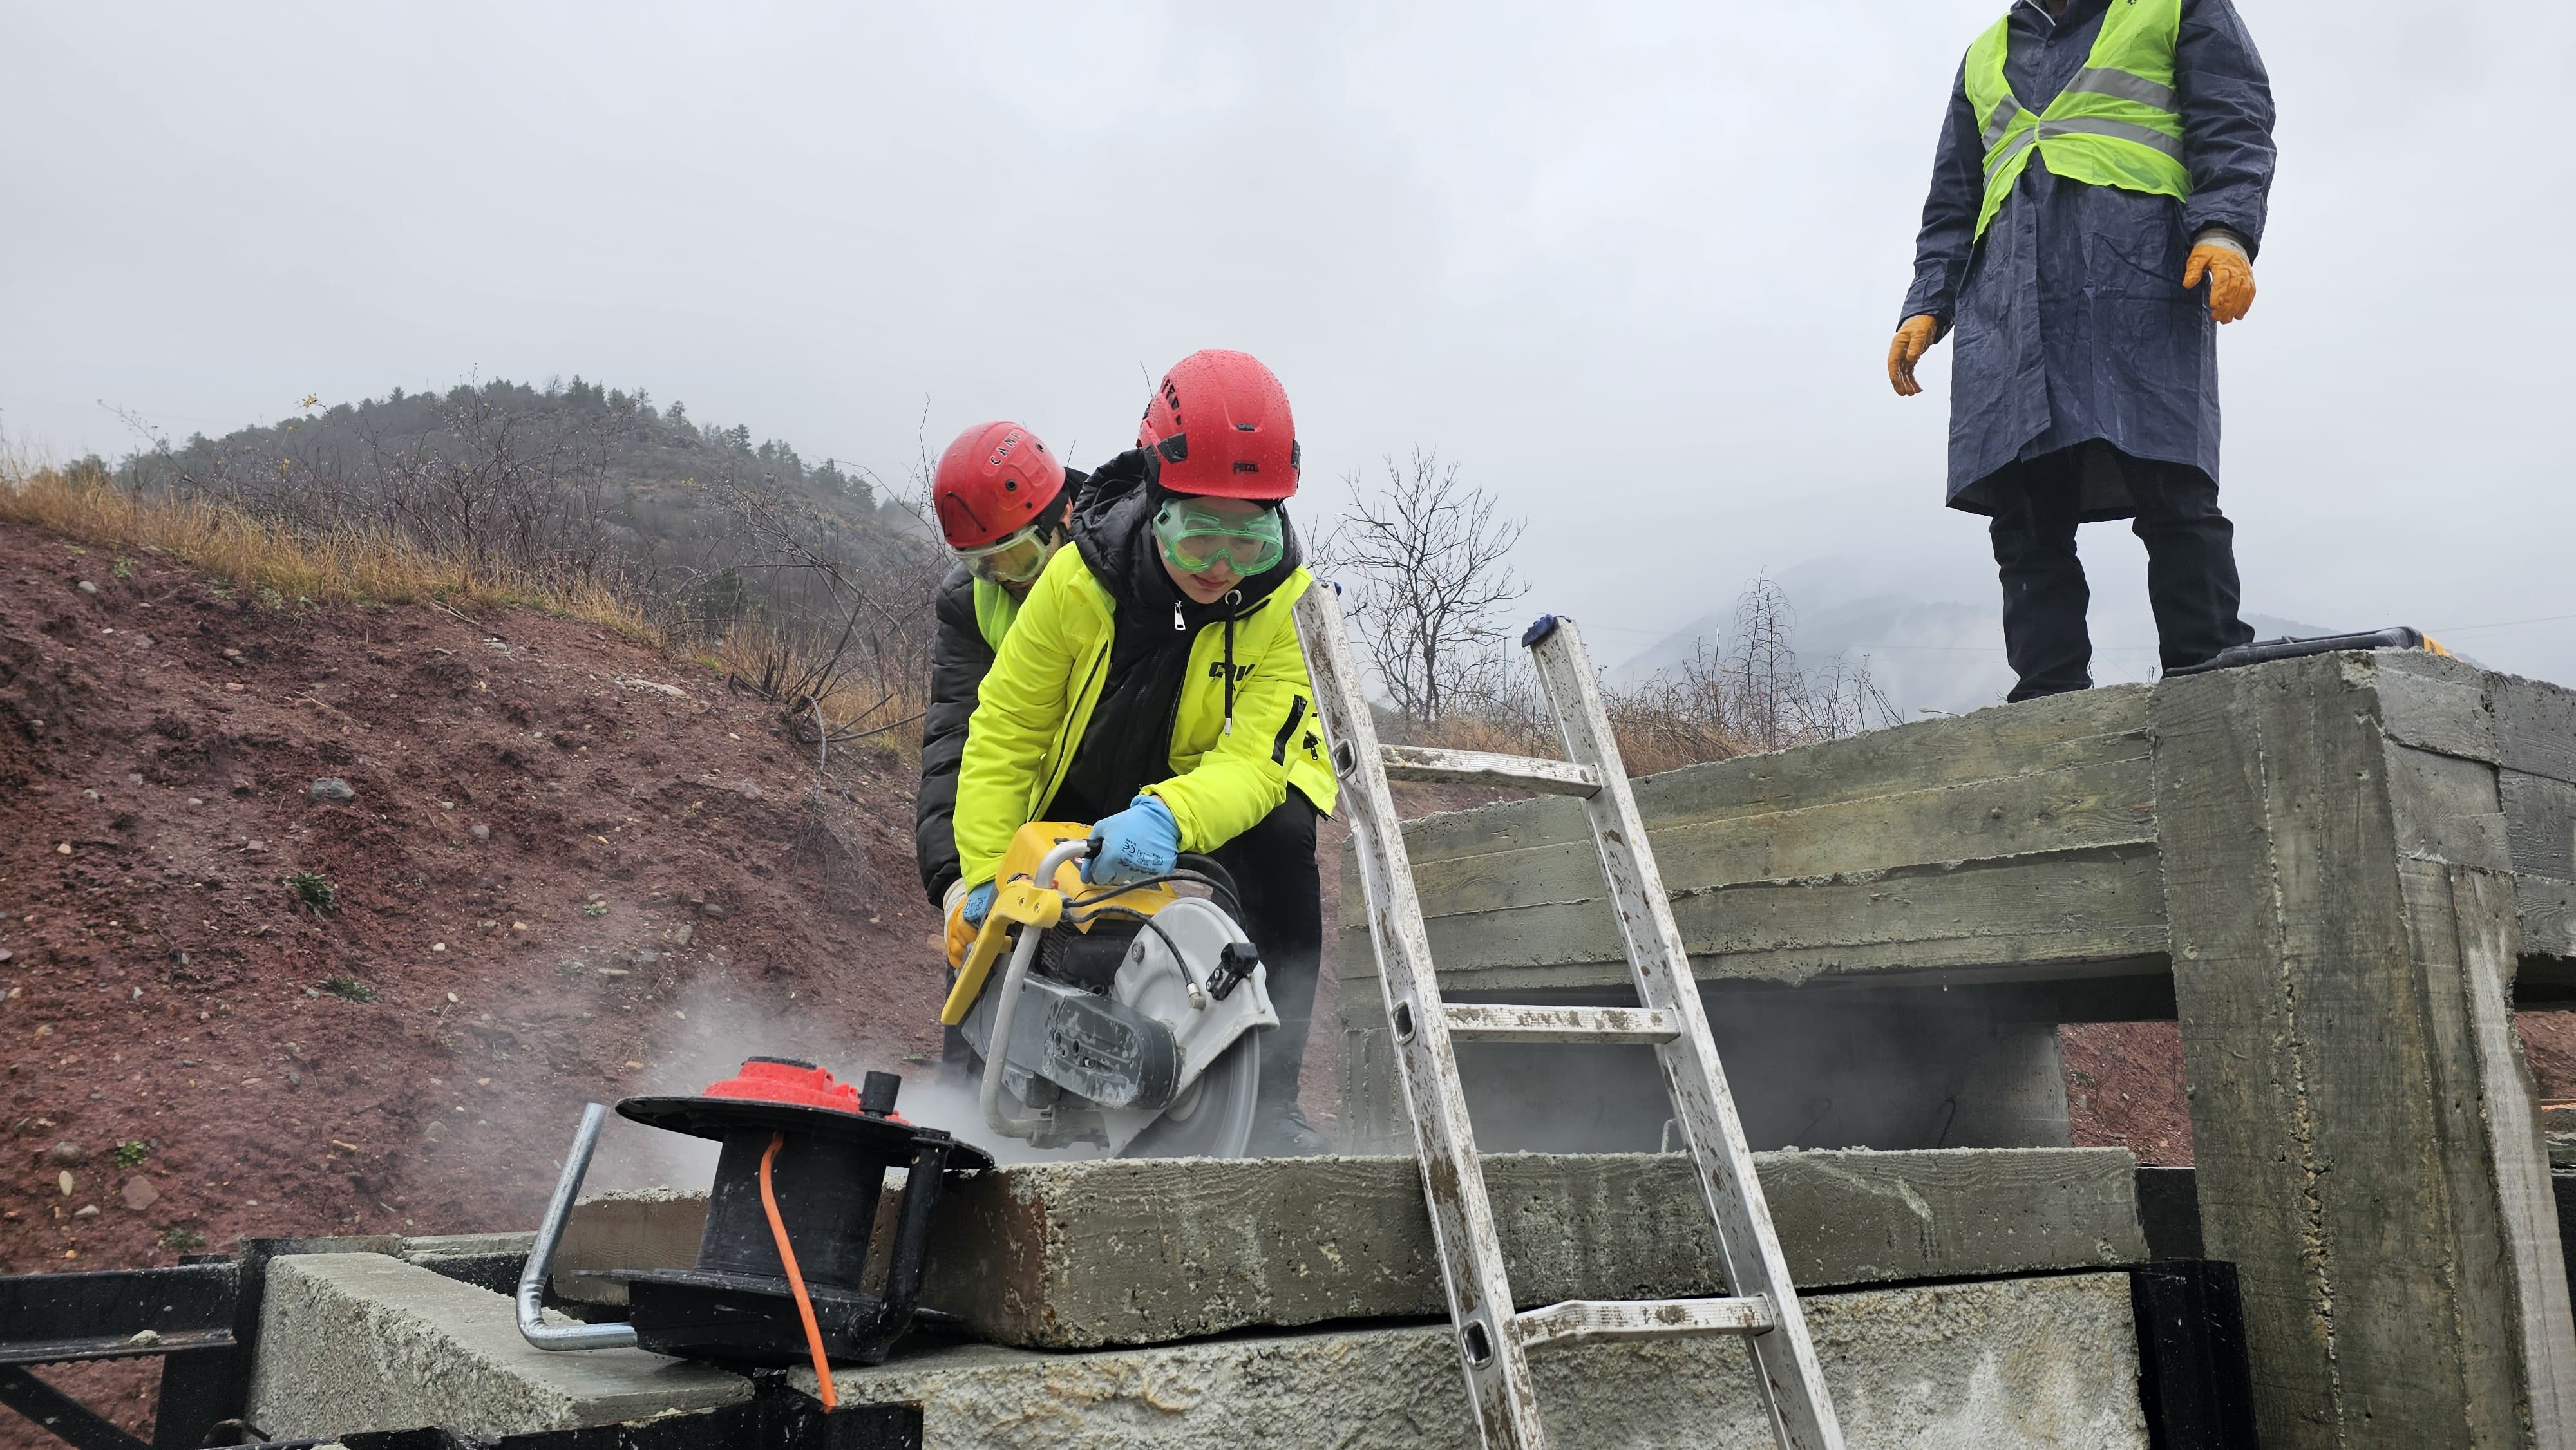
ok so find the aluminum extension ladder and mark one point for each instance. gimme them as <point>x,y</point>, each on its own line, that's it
<point>1494,1338</point>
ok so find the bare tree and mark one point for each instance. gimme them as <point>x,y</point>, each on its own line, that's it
<point>1752,696</point>
<point>1426,564</point>
<point>1773,703</point>
<point>845,628</point>
<point>500,490</point>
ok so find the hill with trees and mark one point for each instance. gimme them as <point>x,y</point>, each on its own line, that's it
<point>811,580</point>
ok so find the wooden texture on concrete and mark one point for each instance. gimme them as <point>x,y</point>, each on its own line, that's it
<point>2540,824</point>
<point>2015,841</point>
<point>2535,727</point>
<point>2540,831</point>
<point>2354,1081</point>
<point>2548,921</point>
<point>2536,745</point>
<point>2022,836</point>
<point>1121,1252</point>
<point>2528,729</point>
<point>2501,1155</point>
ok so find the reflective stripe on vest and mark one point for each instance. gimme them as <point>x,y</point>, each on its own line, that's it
<point>2117,123</point>
<point>995,608</point>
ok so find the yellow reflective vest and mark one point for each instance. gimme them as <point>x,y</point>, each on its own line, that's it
<point>995,608</point>
<point>1037,700</point>
<point>2117,123</point>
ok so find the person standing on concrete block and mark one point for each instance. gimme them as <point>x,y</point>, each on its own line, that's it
<point>2097,200</point>
<point>1153,685</point>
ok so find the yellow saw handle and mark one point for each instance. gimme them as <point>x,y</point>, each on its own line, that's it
<point>1022,903</point>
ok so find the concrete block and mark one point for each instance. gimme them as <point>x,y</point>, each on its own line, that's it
<point>650,1228</point>
<point>1085,1254</point>
<point>358,1342</point>
<point>1988,1366</point>
<point>463,1246</point>
<point>1079,1255</point>
<point>2018,838</point>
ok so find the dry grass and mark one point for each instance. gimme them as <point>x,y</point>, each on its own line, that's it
<point>254,555</point>
<point>274,560</point>
<point>855,704</point>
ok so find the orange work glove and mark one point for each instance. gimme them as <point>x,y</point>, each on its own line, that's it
<point>1913,339</point>
<point>961,936</point>
<point>2231,278</point>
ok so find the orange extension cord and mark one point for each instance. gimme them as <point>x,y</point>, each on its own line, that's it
<point>795,1277</point>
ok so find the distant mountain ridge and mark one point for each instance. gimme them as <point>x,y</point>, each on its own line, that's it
<point>644,447</point>
<point>524,472</point>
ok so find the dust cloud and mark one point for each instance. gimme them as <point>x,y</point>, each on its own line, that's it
<point>714,1025</point>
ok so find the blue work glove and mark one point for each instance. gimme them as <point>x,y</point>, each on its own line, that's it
<point>1140,841</point>
<point>979,904</point>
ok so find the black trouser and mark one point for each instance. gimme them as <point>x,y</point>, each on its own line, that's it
<point>2191,567</point>
<point>1273,865</point>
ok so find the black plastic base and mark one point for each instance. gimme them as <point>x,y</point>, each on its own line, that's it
<point>752,1320</point>
<point>827,1169</point>
<point>776,1418</point>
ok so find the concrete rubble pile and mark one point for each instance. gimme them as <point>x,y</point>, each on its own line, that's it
<point>1959,1298</point>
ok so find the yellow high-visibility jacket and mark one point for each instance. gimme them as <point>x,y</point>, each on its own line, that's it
<point>1037,702</point>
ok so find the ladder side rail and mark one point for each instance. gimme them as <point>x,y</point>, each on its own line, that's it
<point>1785,1357</point>
<point>1453,1176</point>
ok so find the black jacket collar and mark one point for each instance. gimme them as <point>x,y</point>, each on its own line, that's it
<point>1113,526</point>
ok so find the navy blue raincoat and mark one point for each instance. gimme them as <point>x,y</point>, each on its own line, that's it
<point>2068,320</point>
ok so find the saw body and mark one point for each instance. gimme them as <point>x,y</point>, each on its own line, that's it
<point>1128,1017</point>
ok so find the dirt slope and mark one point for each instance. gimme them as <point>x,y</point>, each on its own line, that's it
<point>571,869</point>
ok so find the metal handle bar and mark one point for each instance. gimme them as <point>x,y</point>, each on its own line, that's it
<point>541,1255</point>
<point>1006,1007</point>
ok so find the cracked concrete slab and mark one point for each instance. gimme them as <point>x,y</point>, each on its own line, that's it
<point>1987,1366</point>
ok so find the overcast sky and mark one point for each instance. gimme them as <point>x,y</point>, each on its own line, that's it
<point>1635,267</point>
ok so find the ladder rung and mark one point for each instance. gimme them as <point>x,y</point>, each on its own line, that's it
<point>1581,1319</point>
<point>1478,767</point>
<point>1483,1023</point>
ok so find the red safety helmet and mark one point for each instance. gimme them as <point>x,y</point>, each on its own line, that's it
<point>1220,422</point>
<point>994,481</point>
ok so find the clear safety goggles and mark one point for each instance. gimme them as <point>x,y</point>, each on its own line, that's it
<point>1197,537</point>
<point>1016,559</point>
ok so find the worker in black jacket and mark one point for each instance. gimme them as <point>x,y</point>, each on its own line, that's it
<point>1154,687</point>
<point>1005,504</point>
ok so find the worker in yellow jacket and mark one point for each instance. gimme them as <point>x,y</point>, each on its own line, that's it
<point>1152,684</point>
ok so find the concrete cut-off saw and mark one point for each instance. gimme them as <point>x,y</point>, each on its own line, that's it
<point>1127,1016</point>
